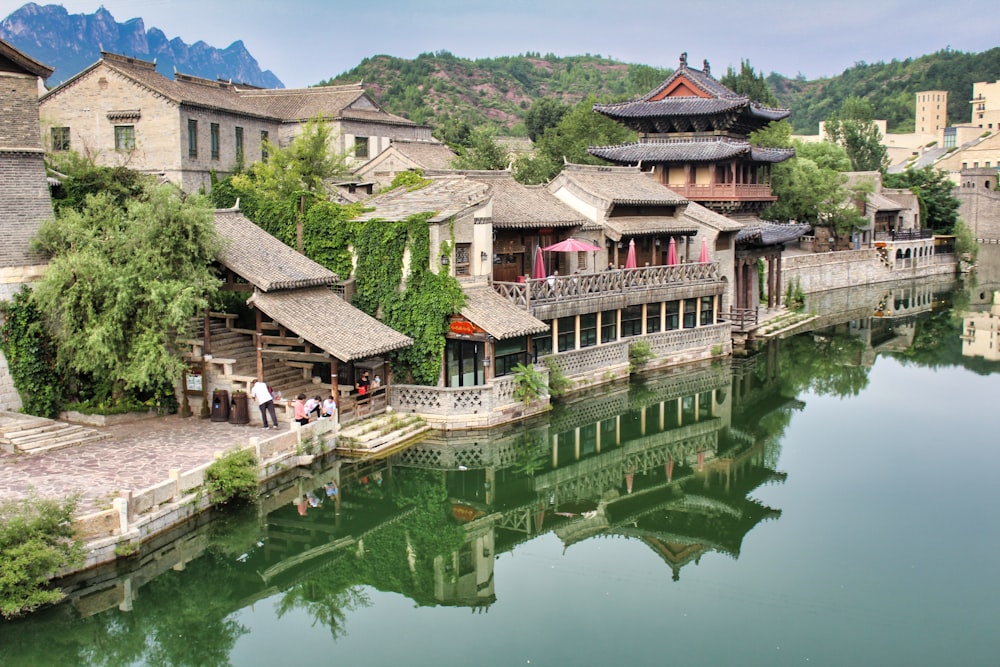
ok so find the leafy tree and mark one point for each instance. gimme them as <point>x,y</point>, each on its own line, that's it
<point>826,155</point>
<point>543,114</point>
<point>31,356</point>
<point>304,165</point>
<point>854,129</point>
<point>36,541</point>
<point>80,177</point>
<point>123,285</point>
<point>938,206</point>
<point>750,83</point>
<point>808,193</point>
<point>579,129</point>
<point>535,169</point>
<point>483,152</point>
<point>643,79</point>
<point>777,134</point>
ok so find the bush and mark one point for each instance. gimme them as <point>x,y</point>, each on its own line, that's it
<point>639,353</point>
<point>529,384</point>
<point>233,478</point>
<point>36,542</point>
<point>559,384</point>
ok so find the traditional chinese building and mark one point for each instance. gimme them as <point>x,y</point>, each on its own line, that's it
<point>693,136</point>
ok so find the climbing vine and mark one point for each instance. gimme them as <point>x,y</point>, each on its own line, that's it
<point>30,356</point>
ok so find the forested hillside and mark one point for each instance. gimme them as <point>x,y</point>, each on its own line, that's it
<point>443,90</point>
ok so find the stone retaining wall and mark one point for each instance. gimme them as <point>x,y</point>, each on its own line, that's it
<point>853,268</point>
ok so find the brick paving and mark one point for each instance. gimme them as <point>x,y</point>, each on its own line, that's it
<point>138,455</point>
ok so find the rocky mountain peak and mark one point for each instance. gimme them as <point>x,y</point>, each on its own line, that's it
<point>73,42</point>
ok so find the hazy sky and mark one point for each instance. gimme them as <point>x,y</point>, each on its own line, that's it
<point>306,41</point>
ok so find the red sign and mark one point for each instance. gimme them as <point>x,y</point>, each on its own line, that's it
<point>460,327</point>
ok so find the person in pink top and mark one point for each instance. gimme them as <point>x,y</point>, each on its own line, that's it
<point>301,416</point>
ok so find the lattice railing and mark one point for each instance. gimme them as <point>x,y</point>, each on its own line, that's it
<point>455,401</point>
<point>553,288</point>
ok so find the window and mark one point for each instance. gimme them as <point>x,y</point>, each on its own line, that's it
<point>707,310</point>
<point>239,143</point>
<point>567,333</point>
<point>609,326</point>
<point>631,321</point>
<point>124,137</point>
<point>60,138</point>
<point>263,145</point>
<point>673,315</point>
<point>652,318</point>
<point>588,330</point>
<point>214,136</point>
<point>463,252</point>
<point>541,343</point>
<point>508,353</point>
<point>192,137</point>
<point>361,147</point>
<point>581,261</point>
<point>689,313</point>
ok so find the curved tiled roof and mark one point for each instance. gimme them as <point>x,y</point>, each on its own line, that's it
<point>327,321</point>
<point>262,260</point>
<point>621,185</point>
<point>688,150</point>
<point>498,316</point>
<point>670,106</point>
<point>444,197</point>
<point>772,233</point>
<point>517,206</point>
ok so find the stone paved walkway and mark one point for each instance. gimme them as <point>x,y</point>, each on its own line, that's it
<point>139,455</point>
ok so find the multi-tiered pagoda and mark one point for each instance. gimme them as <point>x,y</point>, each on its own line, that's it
<point>693,135</point>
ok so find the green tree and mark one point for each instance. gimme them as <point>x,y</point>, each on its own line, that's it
<point>809,193</point>
<point>123,285</point>
<point>854,129</point>
<point>750,83</point>
<point>544,113</point>
<point>825,154</point>
<point>933,187</point>
<point>31,356</point>
<point>579,129</point>
<point>483,152</point>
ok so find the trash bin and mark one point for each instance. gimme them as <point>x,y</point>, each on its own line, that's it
<point>220,405</point>
<point>239,409</point>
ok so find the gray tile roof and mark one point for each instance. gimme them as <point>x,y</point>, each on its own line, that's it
<point>708,218</point>
<point>427,154</point>
<point>616,228</point>
<point>771,233</point>
<point>517,206</point>
<point>880,202</point>
<point>327,321</point>
<point>713,149</point>
<point>498,316</point>
<point>714,99</point>
<point>443,196</point>
<point>292,104</point>
<point>263,260</point>
<point>24,62</point>
<point>619,185</point>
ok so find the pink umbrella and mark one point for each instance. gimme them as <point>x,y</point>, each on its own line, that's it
<point>539,270</point>
<point>628,479</point>
<point>701,460</point>
<point>571,245</point>
<point>630,257</point>
<point>703,257</point>
<point>670,470</point>
<point>672,252</point>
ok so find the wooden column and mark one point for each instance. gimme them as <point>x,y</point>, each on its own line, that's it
<point>777,279</point>
<point>260,343</point>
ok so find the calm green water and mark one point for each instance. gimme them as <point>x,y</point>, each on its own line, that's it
<point>827,501</point>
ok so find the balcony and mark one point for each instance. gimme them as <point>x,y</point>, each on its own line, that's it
<point>649,283</point>
<point>724,192</point>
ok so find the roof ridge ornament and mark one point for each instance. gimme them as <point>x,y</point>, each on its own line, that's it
<point>684,60</point>
<point>706,68</point>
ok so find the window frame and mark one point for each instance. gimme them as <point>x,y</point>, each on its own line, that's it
<point>192,138</point>
<point>124,138</point>
<point>213,132</point>
<point>60,138</point>
<point>361,147</point>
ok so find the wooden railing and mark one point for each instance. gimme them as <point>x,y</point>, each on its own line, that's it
<point>724,191</point>
<point>582,285</point>
<point>743,319</point>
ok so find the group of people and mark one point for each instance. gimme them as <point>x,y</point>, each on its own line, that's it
<point>307,410</point>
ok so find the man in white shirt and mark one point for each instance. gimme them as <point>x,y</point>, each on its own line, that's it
<point>265,401</point>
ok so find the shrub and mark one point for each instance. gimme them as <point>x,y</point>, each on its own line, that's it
<point>559,384</point>
<point>639,353</point>
<point>529,384</point>
<point>233,478</point>
<point>36,542</point>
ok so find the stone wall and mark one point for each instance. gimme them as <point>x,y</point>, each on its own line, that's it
<point>853,268</point>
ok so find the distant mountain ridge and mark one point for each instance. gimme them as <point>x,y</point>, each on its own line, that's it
<point>72,42</point>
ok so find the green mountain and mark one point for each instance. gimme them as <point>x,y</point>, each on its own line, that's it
<point>443,90</point>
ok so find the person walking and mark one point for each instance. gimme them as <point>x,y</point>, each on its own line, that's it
<point>265,401</point>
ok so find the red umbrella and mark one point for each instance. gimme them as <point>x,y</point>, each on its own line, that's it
<point>701,460</point>
<point>628,478</point>
<point>703,257</point>
<point>672,252</point>
<point>539,270</point>
<point>571,245</point>
<point>630,257</point>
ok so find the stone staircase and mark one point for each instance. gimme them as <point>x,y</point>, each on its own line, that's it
<point>380,434</point>
<point>25,434</point>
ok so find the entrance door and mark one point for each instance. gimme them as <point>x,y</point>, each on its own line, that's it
<point>509,267</point>
<point>463,363</point>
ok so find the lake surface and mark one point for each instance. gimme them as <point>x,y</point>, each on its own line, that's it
<point>827,500</point>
